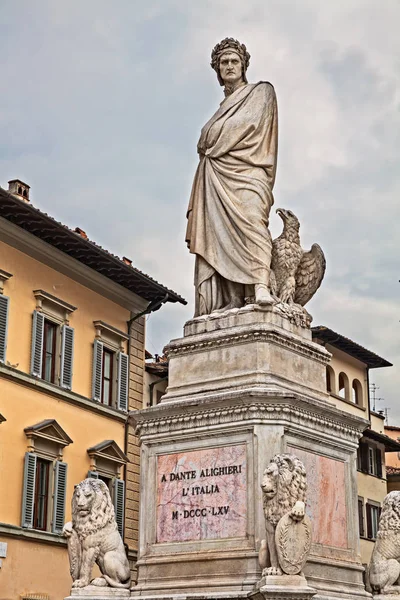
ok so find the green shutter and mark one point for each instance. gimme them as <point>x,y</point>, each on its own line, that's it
<point>67,356</point>
<point>119,504</point>
<point>60,489</point>
<point>4,305</point>
<point>28,490</point>
<point>92,475</point>
<point>97,372</point>
<point>123,381</point>
<point>37,343</point>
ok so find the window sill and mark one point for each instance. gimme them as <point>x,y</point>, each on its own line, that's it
<point>44,537</point>
<point>367,539</point>
<point>337,397</point>
<point>61,393</point>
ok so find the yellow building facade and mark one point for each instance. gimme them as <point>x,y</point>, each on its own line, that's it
<point>71,368</point>
<point>347,380</point>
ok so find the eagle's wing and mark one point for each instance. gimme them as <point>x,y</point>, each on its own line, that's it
<point>309,274</point>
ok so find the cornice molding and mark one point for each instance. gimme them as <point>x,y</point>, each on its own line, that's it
<point>283,411</point>
<point>251,334</point>
<point>44,537</point>
<point>52,257</point>
<point>60,393</point>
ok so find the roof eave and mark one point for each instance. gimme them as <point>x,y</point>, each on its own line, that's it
<point>129,276</point>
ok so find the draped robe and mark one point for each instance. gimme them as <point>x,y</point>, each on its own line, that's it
<point>232,195</point>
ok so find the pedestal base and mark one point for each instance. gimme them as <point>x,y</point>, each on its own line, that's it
<point>284,587</point>
<point>94,592</point>
<point>243,386</point>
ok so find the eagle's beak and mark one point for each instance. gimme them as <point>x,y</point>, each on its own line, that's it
<point>280,212</point>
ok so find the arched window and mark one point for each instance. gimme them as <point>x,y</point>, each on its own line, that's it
<point>357,393</point>
<point>344,387</point>
<point>330,380</point>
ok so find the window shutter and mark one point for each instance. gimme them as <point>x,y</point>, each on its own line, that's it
<point>361,517</point>
<point>92,475</point>
<point>364,457</point>
<point>4,304</point>
<point>60,489</point>
<point>119,504</point>
<point>28,491</point>
<point>67,356</point>
<point>369,521</point>
<point>123,383</point>
<point>378,455</point>
<point>97,370</point>
<point>37,343</point>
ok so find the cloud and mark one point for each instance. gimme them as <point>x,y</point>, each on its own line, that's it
<point>103,104</point>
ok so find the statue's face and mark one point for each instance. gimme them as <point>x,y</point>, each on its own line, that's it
<point>230,68</point>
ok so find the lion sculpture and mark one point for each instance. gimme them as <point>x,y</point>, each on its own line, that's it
<point>284,487</point>
<point>93,537</point>
<point>384,569</point>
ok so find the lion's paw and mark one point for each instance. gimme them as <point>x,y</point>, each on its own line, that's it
<point>271,571</point>
<point>80,583</point>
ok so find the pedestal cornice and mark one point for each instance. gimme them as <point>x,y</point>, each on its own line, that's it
<point>256,406</point>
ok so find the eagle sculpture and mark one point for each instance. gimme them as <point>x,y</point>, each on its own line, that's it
<point>295,274</point>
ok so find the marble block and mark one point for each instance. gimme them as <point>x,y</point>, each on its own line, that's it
<point>284,587</point>
<point>243,350</point>
<point>93,592</point>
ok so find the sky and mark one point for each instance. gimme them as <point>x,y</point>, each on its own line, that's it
<point>101,108</point>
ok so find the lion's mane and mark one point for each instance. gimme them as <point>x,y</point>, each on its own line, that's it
<point>292,487</point>
<point>101,511</point>
<point>390,515</point>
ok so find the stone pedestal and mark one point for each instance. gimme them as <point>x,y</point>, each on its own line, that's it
<point>243,386</point>
<point>285,587</point>
<point>93,592</point>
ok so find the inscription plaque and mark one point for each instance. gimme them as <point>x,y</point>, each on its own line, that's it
<point>202,494</point>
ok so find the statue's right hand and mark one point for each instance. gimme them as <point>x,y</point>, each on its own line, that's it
<point>67,529</point>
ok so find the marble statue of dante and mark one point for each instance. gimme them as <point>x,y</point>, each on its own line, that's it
<point>232,190</point>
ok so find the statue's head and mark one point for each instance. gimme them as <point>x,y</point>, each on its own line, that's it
<point>230,60</point>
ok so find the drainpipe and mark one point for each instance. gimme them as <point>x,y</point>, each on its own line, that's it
<point>151,307</point>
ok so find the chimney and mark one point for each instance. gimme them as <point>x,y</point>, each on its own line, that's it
<point>127,261</point>
<point>19,189</point>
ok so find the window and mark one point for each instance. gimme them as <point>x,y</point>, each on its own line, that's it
<point>52,340</point>
<point>41,494</point>
<point>369,459</point>
<point>330,379</point>
<point>110,372</point>
<point>45,477</point>
<point>373,513</point>
<point>37,495</point>
<point>49,351</point>
<point>357,393</point>
<point>107,377</point>
<point>361,517</point>
<point>344,391</point>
